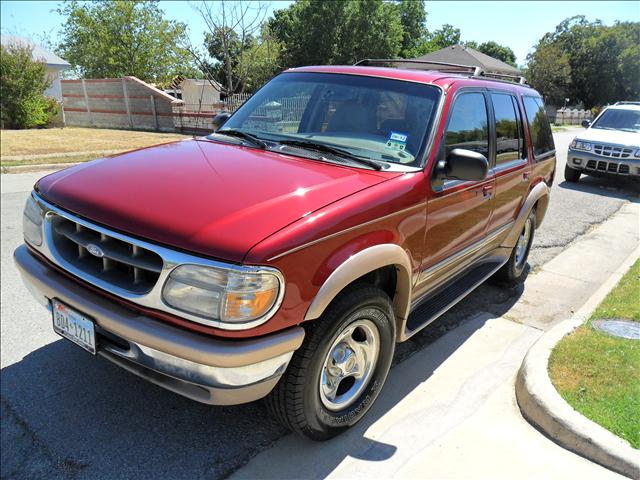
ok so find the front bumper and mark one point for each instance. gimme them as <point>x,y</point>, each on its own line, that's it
<point>593,164</point>
<point>205,369</point>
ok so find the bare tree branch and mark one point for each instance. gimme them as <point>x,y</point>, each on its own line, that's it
<point>227,20</point>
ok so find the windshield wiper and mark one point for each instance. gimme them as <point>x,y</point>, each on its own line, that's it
<point>321,147</point>
<point>243,135</point>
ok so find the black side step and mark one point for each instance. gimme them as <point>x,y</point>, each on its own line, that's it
<point>442,301</point>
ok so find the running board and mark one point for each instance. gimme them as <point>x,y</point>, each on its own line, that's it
<point>430,309</point>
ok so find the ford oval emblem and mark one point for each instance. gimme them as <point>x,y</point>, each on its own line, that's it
<point>95,250</point>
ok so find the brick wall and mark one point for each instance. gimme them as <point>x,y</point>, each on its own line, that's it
<point>127,103</point>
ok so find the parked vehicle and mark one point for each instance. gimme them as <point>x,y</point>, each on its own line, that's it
<point>340,210</point>
<point>610,146</point>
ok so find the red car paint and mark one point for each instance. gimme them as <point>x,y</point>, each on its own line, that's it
<point>202,196</point>
<point>246,205</point>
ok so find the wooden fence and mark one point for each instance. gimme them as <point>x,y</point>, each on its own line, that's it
<point>198,118</point>
<point>571,116</point>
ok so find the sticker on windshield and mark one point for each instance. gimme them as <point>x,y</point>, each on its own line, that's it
<point>397,141</point>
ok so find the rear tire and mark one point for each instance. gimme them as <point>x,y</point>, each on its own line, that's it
<point>329,386</point>
<point>512,271</point>
<point>571,175</point>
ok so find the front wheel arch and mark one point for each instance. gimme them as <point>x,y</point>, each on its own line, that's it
<point>360,265</point>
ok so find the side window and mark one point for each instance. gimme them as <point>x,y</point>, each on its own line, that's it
<point>468,124</point>
<point>508,133</point>
<point>539,127</point>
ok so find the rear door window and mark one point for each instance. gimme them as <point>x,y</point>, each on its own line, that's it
<point>468,124</point>
<point>509,139</point>
<point>539,128</point>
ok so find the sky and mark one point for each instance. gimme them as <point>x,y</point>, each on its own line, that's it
<point>517,24</point>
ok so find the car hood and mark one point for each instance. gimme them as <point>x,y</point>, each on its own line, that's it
<point>215,199</point>
<point>616,137</point>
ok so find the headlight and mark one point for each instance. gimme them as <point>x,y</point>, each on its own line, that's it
<point>227,295</point>
<point>637,154</point>
<point>581,145</point>
<point>32,222</point>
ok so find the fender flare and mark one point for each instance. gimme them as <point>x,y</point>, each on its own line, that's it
<point>363,262</point>
<point>538,194</point>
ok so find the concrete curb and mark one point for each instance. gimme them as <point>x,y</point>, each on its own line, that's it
<point>44,156</point>
<point>38,167</point>
<point>542,405</point>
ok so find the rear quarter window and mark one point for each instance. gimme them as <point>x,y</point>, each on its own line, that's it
<point>539,128</point>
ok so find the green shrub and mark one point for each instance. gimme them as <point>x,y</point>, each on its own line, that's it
<point>22,85</point>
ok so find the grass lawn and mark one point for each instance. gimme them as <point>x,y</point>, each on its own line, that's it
<point>71,139</point>
<point>598,374</point>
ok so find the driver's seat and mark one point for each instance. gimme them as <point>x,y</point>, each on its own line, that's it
<point>352,116</point>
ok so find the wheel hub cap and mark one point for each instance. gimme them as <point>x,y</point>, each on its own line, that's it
<point>349,365</point>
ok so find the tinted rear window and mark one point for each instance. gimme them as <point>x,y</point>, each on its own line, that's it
<point>539,127</point>
<point>508,132</point>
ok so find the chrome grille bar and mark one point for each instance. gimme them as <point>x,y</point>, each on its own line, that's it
<point>129,266</point>
<point>612,151</point>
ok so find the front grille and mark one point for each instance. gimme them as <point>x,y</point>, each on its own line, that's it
<point>609,167</point>
<point>116,262</point>
<point>611,151</point>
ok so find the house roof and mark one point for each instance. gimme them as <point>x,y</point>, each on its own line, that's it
<point>466,56</point>
<point>38,54</point>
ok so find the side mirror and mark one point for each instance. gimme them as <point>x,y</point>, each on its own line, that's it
<point>462,164</point>
<point>586,123</point>
<point>219,120</point>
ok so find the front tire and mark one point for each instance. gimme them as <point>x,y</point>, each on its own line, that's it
<point>571,175</point>
<point>338,372</point>
<point>512,271</point>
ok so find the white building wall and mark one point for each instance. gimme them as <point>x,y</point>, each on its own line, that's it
<point>193,90</point>
<point>54,90</point>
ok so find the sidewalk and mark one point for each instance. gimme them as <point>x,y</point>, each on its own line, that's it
<point>450,410</point>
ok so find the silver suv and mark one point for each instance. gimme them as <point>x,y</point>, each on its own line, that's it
<point>609,146</point>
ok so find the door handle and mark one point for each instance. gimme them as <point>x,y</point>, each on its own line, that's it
<point>526,175</point>
<point>486,190</point>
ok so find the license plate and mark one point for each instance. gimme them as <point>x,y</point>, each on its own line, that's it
<point>74,326</point>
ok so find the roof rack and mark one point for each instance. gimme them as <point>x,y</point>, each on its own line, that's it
<point>627,103</point>
<point>446,67</point>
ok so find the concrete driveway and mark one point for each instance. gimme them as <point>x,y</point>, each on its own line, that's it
<point>68,415</point>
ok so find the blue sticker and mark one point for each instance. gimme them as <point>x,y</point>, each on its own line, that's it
<point>397,141</point>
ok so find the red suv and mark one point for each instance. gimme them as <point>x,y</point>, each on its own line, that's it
<point>340,210</point>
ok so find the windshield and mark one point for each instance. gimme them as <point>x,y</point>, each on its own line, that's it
<point>618,119</point>
<point>375,118</point>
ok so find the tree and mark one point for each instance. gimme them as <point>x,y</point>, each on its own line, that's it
<point>233,28</point>
<point>373,29</point>
<point>498,51</point>
<point>262,61</point>
<point>314,32</point>
<point>113,38</point>
<point>549,72</point>
<point>443,37</point>
<point>22,85</point>
<point>413,17</point>
<point>588,62</point>
<point>310,32</point>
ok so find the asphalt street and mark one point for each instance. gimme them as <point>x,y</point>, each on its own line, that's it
<point>66,414</point>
